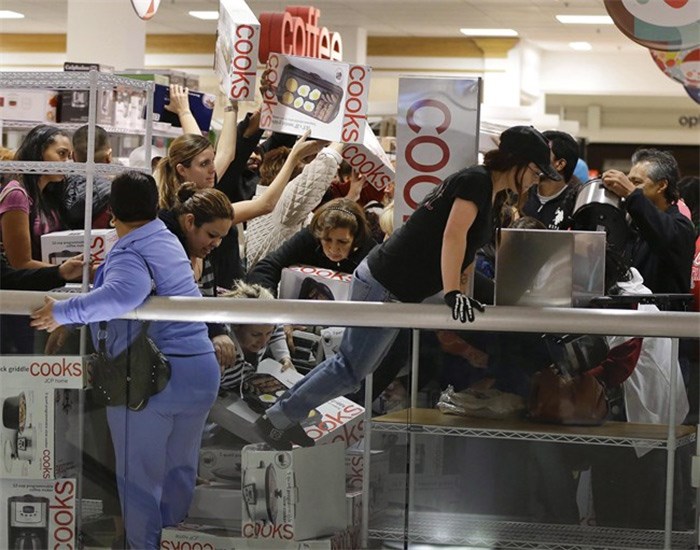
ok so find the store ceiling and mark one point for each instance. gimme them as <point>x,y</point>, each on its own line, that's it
<point>533,19</point>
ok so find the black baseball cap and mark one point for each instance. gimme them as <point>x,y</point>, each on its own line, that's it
<point>527,143</point>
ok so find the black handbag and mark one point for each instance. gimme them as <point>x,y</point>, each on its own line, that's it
<point>133,376</point>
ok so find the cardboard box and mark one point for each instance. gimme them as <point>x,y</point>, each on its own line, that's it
<point>74,104</point>
<point>369,159</point>
<point>337,420</point>
<point>293,495</point>
<point>192,81</point>
<point>355,467</point>
<point>128,108</point>
<point>29,386</point>
<point>308,349</point>
<point>330,340</point>
<point>306,282</point>
<point>159,76</point>
<point>219,464</point>
<point>236,53</point>
<point>190,536</point>
<point>217,504</point>
<point>201,105</point>
<point>30,105</point>
<point>58,246</point>
<point>327,97</point>
<point>38,513</point>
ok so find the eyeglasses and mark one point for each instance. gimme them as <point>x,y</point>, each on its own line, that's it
<point>540,175</point>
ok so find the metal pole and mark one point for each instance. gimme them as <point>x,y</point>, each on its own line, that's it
<point>366,460</point>
<point>671,446</point>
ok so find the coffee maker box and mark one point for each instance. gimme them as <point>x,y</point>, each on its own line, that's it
<point>201,105</point>
<point>293,495</point>
<point>36,513</point>
<point>28,105</point>
<point>304,282</point>
<point>74,104</point>
<point>29,389</point>
<point>236,52</point>
<point>58,246</point>
<point>369,159</point>
<point>330,98</point>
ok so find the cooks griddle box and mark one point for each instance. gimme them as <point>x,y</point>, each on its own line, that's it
<point>309,94</point>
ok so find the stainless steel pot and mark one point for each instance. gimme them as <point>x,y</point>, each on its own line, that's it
<point>260,493</point>
<point>594,192</point>
<point>24,444</point>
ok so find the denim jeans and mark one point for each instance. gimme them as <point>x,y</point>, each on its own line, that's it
<point>361,351</point>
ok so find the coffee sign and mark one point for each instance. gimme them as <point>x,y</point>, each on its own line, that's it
<point>296,31</point>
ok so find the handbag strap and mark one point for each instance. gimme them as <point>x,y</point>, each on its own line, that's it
<point>102,330</point>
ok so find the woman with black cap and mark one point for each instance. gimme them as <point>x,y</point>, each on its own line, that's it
<point>435,245</point>
<point>156,448</point>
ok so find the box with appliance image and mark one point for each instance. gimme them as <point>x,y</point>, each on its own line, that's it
<point>29,105</point>
<point>33,400</point>
<point>305,282</point>
<point>293,495</point>
<point>201,105</point>
<point>193,536</point>
<point>369,159</point>
<point>336,420</point>
<point>327,97</point>
<point>36,513</point>
<point>58,246</point>
<point>74,104</point>
<point>236,52</point>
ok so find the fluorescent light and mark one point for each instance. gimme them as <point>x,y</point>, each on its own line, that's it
<point>489,32</point>
<point>7,14</point>
<point>581,46</point>
<point>585,19</point>
<point>206,15</point>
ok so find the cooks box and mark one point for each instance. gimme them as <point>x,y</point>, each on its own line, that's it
<point>327,97</point>
<point>293,495</point>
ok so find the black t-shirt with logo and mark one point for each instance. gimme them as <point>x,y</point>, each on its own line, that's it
<point>408,263</point>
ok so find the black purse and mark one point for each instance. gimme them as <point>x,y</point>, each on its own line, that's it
<point>133,376</point>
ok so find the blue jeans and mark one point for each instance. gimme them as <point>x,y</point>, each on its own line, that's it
<point>361,351</point>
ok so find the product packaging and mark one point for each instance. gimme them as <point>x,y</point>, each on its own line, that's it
<point>74,105</point>
<point>28,105</point>
<point>235,58</point>
<point>128,107</point>
<point>38,513</point>
<point>303,282</point>
<point>192,536</point>
<point>201,105</point>
<point>336,420</point>
<point>220,464</point>
<point>330,340</point>
<point>217,504</point>
<point>159,76</point>
<point>34,409</point>
<point>327,97</point>
<point>293,495</point>
<point>58,246</point>
<point>369,159</point>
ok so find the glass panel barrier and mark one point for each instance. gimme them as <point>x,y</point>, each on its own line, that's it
<point>421,476</point>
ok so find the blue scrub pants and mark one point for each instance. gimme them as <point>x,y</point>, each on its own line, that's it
<point>157,449</point>
<point>361,351</point>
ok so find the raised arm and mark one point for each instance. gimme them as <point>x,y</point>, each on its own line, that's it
<point>265,203</point>
<point>226,145</point>
<point>180,105</point>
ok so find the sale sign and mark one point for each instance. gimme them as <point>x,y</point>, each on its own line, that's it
<point>437,134</point>
<point>235,59</point>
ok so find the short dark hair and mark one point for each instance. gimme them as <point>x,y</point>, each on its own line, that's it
<point>80,139</point>
<point>134,197</point>
<point>662,166</point>
<point>564,146</point>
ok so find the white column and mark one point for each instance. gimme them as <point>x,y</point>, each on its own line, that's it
<point>107,32</point>
<point>354,44</point>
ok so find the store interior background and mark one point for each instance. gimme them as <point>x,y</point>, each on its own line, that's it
<point>612,97</point>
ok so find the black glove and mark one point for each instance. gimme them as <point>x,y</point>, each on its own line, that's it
<point>462,306</point>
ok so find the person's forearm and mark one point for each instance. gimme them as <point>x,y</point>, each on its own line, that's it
<point>451,262</point>
<point>226,146</point>
<point>189,123</point>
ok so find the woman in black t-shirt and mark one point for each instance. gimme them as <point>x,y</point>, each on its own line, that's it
<point>429,253</point>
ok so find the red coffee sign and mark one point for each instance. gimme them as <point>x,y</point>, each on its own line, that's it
<point>296,31</point>
<point>437,135</point>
